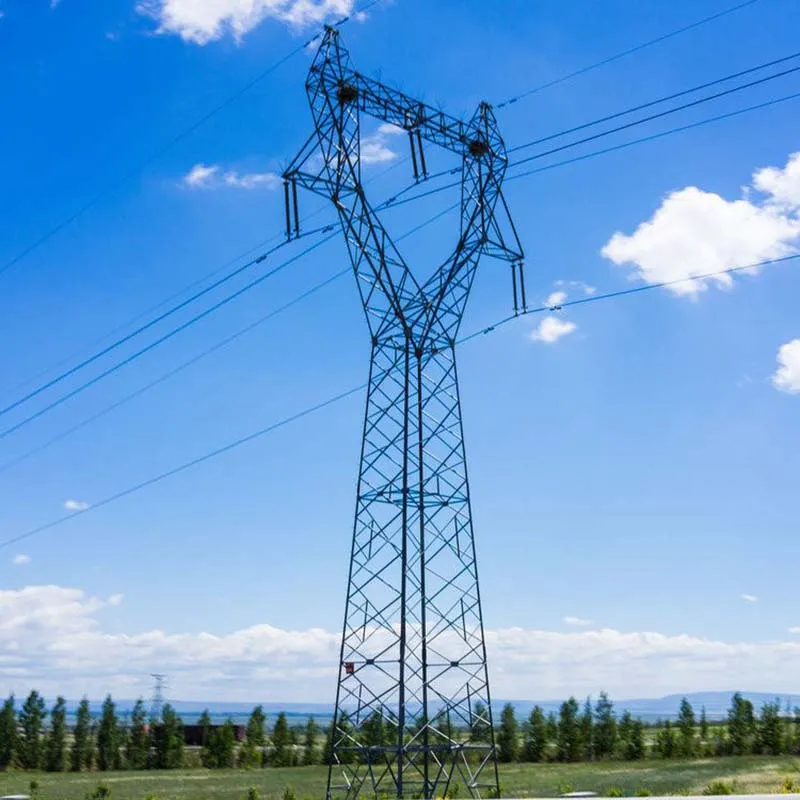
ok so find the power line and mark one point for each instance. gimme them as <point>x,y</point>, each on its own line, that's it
<point>349,392</point>
<point>173,296</point>
<point>187,465</point>
<point>654,136</point>
<point>651,117</point>
<point>171,373</point>
<point>179,137</point>
<point>660,100</point>
<point>629,51</point>
<point>173,332</point>
<point>624,292</point>
<point>183,326</point>
<point>394,202</point>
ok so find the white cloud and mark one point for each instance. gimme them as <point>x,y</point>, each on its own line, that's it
<point>783,185</point>
<point>268,180</point>
<point>787,376</point>
<point>584,287</point>
<point>200,175</point>
<point>695,232</point>
<point>387,129</point>
<point>551,329</point>
<point>374,148</point>
<point>76,505</point>
<point>749,598</point>
<point>577,621</point>
<point>795,629</point>
<point>203,21</point>
<point>53,637</point>
<point>20,559</point>
<point>205,176</point>
<point>555,299</point>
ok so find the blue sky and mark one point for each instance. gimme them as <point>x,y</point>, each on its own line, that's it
<point>633,476</point>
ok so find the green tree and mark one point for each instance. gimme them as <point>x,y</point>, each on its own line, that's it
<point>686,721</point>
<point>81,753</point>
<point>741,725</point>
<point>568,740</point>
<point>770,735</point>
<point>56,745</point>
<point>703,725</point>
<point>635,748</point>
<point>587,730</point>
<point>625,731</point>
<point>796,732</point>
<point>551,728</point>
<point>108,736</point>
<point>31,720</point>
<point>480,723</point>
<point>508,736</point>
<point>206,736</point>
<point>310,750</point>
<point>371,732</point>
<point>8,734</point>
<point>281,743</point>
<point>168,740</point>
<point>605,727</point>
<point>251,752</point>
<point>137,750</point>
<point>665,741</point>
<point>222,746</point>
<point>536,736</point>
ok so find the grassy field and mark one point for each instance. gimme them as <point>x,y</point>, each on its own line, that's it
<point>748,774</point>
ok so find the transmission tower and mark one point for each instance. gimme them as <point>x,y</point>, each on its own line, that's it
<point>157,700</point>
<point>413,712</point>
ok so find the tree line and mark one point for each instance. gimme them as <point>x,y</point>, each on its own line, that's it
<point>35,739</point>
<point>595,732</point>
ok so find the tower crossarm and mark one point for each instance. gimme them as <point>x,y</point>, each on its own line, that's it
<point>342,82</point>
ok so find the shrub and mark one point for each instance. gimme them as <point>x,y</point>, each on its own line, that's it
<point>643,792</point>
<point>718,787</point>
<point>565,788</point>
<point>101,792</point>
<point>288,794</point>
<point>33,788</point>
<point>252,793</point>
<point>788,786</point>
<point>613,791</point>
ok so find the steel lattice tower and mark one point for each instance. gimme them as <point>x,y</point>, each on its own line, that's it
<point>413,713</point>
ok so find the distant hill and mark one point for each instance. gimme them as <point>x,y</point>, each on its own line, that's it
<point>648,709</point>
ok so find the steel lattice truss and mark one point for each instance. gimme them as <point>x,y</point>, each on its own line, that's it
<point>413,713</point>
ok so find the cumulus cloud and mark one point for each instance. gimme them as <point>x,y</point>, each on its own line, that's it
<point>20,559</point>
<point>787,376</point>
<point>695,232</point>
<point>795,629</point>
<point>555,299</point>
<point>749,598</point>
<point>551,329</point>
<point>375,148</point>
<point>75,505</point>
<point>211,176</point>
<point>203,21</point>
<point>577,621</point>
<point>53,637</point>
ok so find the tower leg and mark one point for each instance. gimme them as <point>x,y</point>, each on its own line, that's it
<point>413,713</point>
